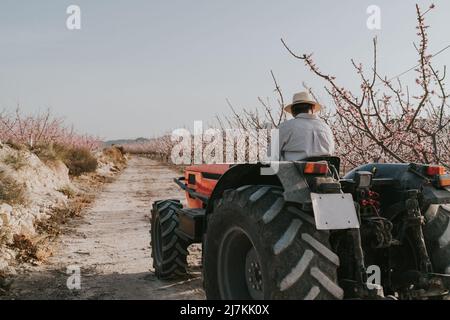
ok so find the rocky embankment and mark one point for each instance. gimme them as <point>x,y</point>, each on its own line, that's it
<point>36,195</point>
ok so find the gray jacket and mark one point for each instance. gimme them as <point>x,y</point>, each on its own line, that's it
<point>305,136</point>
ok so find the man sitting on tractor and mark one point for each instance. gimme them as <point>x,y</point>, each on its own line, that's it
<point>306,135</point>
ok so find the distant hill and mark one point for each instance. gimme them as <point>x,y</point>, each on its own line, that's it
<point>124,141</point>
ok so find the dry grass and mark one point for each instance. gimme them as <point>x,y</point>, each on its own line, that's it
<point>78,160</point>
<point>16,146</point>
<point>115,154</point>
<point>31,249</point>
<point>50,152</point>
<point>16,161</point>
<point>52,226</point>
<point>10,191</point>
<point>68,192</point>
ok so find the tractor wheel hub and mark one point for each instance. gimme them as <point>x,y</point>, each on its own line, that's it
<point>253,275</point>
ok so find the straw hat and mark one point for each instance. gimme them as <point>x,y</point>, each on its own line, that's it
<point>303,97</point>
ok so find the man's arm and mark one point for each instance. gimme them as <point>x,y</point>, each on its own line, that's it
<point>284,134</point>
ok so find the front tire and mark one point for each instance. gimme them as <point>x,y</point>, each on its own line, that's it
<point>169,250</point>
<point>259,247</point>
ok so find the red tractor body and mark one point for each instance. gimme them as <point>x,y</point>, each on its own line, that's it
<point>202,179</point>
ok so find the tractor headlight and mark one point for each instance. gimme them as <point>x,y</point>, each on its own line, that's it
<point>363,179</point>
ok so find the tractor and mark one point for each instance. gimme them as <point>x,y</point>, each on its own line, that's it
<point>382,231</point>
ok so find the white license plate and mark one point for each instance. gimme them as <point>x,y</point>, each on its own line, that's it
<point>333,211</point>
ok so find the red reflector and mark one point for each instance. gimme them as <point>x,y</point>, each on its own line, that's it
<point>435,170</point>
<point>316,168</point>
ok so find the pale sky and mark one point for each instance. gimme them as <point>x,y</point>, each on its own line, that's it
<point>142,67</point>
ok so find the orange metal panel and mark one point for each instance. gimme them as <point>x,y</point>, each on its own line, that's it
<point>203,185</point>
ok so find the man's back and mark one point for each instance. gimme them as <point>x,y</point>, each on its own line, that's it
<point>305,136</point>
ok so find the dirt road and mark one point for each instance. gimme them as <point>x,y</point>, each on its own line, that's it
<point>110,246</point>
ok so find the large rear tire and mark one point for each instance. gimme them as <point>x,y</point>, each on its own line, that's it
<point>259,247</point>
<point>169,250</point>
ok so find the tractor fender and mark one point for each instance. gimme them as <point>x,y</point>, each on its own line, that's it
<point>287,176</point>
